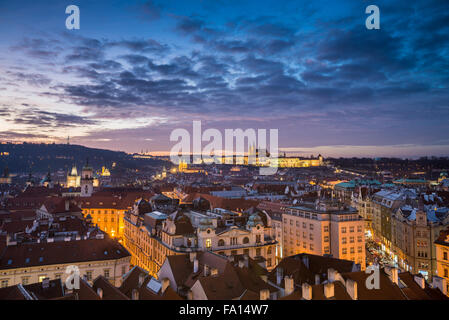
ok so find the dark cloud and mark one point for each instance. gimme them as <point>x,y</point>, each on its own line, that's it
<point>334,74</point>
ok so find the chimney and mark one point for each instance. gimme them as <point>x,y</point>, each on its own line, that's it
<point>135,294</point>
<point>306,291</point>
<point>195,265</point>
<point>351,288</point>
<point>192,256</point>
<point>165,284</point>
<point>331,274</point>
<point>393,274</point>
<point>420,281</point>
<point>141,279</point>
<point>289,285</point>
<point>329,290</point>
<point>305,261</point>
<point>45,283</point>
<point>214,272</point>
<point>440,283</point>
<point>67,205</point>
<point>206,270</point>
<point>279,275</point>
<point>317,279</point>
<point>100,293</point>
<point>264,294</point>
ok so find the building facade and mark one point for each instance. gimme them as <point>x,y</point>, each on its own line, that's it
<point>324,228</point>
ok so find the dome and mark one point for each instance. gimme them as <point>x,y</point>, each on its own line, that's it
<point>254,220</point>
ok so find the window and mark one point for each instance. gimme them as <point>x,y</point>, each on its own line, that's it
<point>343,230</point>
<point>221,242</point>
<point>359,229</point>
<point>106,273</point>
<point>326,239</point>
<point>209,243</point>
<point>258,252</point>
<point>344,251</point>
<point>359,249</point>
<point>311,236</point>
<point>311,246</point>
<point>245,240</point>
<point>304,225</point>
<point>258,238</point>
<point>351,229</point>
<point>89,275</point>
<point>326,229</point>
<point>42,277</point>
<point>269,250</point>
<point>444,255</point>
<point>25,280</point>
<point>269,262</point>
<point>311,226</point>
<point>4,283</point>
<point>343,240</point>
<point>445,273</point>
<point>351,240</point>
<point>326,249</point>
<point>352,250</point>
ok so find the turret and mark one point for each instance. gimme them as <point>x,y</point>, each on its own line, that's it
<point>87,180</point>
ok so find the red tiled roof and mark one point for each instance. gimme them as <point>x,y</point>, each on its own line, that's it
<point>109,291</point>
<point>36,254</point>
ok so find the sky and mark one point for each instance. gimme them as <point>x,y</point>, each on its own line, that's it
<point>137,70</point>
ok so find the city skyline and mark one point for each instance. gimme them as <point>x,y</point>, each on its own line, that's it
<point>137,70</point>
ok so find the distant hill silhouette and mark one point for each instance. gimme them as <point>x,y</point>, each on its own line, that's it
<point>32,157</point>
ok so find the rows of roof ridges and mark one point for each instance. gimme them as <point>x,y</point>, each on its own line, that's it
<point>112,200</point>
<point>54,204</point>
<point>58,205</point>
<point>220,202</point>
<point>16,222</point>
<point>295,266</point>
<point>230,282</point>
<point>60,252</point>
<point>33,291</point>
<point>389,290</point>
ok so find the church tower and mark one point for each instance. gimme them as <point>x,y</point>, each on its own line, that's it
<point>87,180</point>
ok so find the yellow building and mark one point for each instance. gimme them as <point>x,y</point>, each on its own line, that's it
<point>442,255</point>
<point>107,212</point>
<point>152,236</point>
<point>324,228</point>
